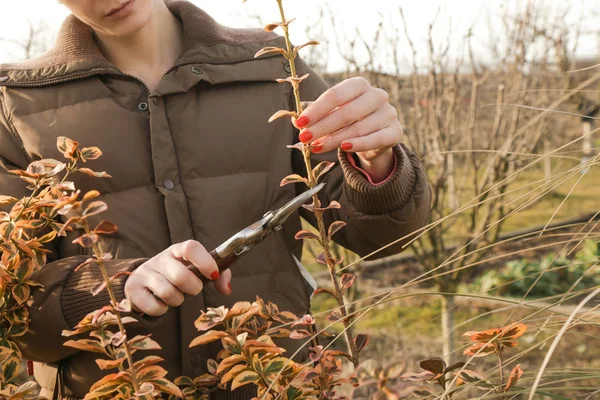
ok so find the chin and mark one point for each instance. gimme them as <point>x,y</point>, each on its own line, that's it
<point>138,18</point>
<point>130,27</point>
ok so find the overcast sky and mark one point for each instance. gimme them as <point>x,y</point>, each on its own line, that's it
<point>350,16</point>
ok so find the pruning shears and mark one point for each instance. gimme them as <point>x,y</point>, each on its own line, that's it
<point>239,244</point>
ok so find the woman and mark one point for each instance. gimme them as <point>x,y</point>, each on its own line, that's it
<point>179,106</point>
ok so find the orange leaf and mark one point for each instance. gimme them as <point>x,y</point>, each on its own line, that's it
<point>297,146</point>
<point>333,205</point>
<point>21,293</point>
<point>514,377</point>
<point>486,336</point>
<point>6,200</point>
<point>147,361</point>
<point>513,331</point>
<point>294,178</point>
<point>322,259</point>
<point>92,194</point>
<point>279,333</point>
<point>232,373</point>
<point>24,270</point>
<point>86,263</point>
<point>145,390</point>
<point>306,235</point>
<point>328,291</point>
<point>272,27</point>
<point>285,317</point>
<point>105,227</point>
<point>208,337</point>
<point>434,364</point>
<point>322,168</point>
<point>106,388</point>
<point>474,378</point>
<point>480,350</point>
<point>347,280</point>
<point>334,227</point>
<point>300,334</point>
<point>89,172</point>
<point>142,342</point>
<point>283,113</point>
<point>335,315</point>
<point>87,240</point>
<point>361,341</point>
<point>98,288</point>
<point>212,366</point>
<point>270,50</point>
<point>229,362</point>
<point>420,377</point>
<point>150,373</point>
<point>110,364</point>
<point>166,386</point>
<point>86,345</point>
<point>239,308</point>
<point>298,48</point>
<point>90,153</point>
<point>244,378</point>
<point>95,207</point>
<point>294,80</point>
<point>275,25</point>
<point>67,146</point>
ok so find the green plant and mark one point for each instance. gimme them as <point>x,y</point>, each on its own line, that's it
<point>550,276</point>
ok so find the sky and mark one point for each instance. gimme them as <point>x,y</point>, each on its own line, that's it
<point>350,17</point>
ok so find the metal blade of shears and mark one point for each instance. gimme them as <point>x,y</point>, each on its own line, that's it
<point>236,246</point>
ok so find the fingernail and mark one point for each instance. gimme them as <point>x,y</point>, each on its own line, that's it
<point>305,136</point>
<point>317,148</point>
<point>229,285</point>
<point>215,275</point>
<point>302,122</point>
<point>346,146</point>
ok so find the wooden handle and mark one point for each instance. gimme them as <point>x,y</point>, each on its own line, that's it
<point>223,264</point>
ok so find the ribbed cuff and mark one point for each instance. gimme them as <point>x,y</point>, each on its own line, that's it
<point>77,300</point>
<point>353,159</point>
<point>387,197</point>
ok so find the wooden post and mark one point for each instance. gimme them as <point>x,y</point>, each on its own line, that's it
<point>547,163</point>
<point>587,142</point>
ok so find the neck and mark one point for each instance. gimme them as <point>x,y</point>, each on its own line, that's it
<point>148,52</point>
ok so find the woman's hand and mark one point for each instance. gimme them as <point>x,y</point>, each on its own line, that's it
<point>358,118</point>
<point>167,277</point>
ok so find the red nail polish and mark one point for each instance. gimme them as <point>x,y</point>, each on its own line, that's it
<point>229,285</point>
<point>346,146</point>
<point>215,275</point>
<point>302,122</point>
<point>305,136</point>
<point>317,148</point>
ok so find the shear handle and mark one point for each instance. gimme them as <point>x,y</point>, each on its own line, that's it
<point>222,262</point>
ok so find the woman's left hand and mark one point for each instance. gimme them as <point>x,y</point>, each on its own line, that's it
<point>358,118</point>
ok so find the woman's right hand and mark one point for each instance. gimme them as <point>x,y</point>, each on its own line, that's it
<point>163,280</point>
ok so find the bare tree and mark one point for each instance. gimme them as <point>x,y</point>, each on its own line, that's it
<point>476,125</point>
<point>34,43</point>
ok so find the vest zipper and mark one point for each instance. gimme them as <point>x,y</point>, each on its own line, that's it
<point>119,73</point>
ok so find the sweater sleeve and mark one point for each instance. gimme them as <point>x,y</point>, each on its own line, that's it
<point>376,215</point>
<point>66,295</point>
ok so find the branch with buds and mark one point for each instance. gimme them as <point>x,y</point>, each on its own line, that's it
<point>324,238</point>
